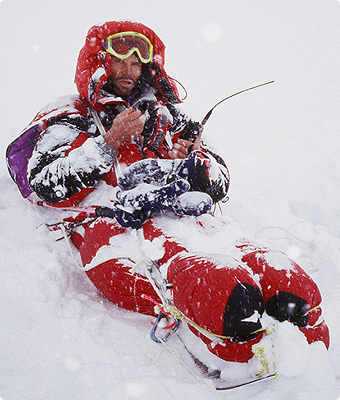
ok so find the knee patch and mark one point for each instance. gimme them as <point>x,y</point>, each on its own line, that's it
<point>242,313</point>
<point>223,299</point>
<point>285,306</point>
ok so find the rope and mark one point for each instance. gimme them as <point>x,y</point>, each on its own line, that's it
<point>260,353</point>
<point>313,309</point>
<point>170,309</point>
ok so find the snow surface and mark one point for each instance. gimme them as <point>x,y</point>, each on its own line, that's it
<point>59,338</point>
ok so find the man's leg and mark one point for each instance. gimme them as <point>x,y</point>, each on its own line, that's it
<point>107,252</point>
<point>289,292</point>
<point>217,294</point>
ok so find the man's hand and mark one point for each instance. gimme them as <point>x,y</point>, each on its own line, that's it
<point>126,126</point>
<point>181,148</point>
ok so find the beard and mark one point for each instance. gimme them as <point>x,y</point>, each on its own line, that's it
<point>123,86</point>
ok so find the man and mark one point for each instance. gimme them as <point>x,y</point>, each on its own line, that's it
<point>123,81</point>
<point>124,142</point>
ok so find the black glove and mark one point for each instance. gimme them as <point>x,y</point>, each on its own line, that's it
<point>191,131</point>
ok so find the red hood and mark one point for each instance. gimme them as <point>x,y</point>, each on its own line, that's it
<point>94,63</point>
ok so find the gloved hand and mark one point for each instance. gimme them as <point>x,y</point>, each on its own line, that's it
<point>133,207</point>
<point>148,197</point>
<point>152,171</point>
<point>191,131</point>
<point>194,168</point>
<point>154,185</point>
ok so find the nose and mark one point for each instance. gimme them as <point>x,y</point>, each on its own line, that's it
<point>125,68</point>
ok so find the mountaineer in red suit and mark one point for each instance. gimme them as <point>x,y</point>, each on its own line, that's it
<point>125,137</point>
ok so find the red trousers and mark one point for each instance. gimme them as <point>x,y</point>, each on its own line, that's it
<point>222,295</point>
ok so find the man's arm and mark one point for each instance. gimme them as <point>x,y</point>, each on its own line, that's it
<point>66,159</point>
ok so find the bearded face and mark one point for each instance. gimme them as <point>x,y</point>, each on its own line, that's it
<point>125,74</point>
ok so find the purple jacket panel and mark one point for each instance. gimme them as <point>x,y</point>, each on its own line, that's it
<point>18,154</point>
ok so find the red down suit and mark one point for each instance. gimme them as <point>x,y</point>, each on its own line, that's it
<point>221,294</point>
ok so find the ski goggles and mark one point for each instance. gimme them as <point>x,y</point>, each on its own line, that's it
<point>123,44</point>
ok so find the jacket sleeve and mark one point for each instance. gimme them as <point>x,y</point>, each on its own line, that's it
<point>67,159</point>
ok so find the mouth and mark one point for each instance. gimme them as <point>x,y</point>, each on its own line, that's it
<point>123,86</point>
<point>126,83</point>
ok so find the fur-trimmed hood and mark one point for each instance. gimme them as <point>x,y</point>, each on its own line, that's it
<point>94,63</point>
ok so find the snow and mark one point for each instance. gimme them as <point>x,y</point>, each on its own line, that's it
<point>59,338</point>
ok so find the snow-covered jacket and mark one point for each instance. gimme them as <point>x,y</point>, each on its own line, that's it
<point>67,152</point>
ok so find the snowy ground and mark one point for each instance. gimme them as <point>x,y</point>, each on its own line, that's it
<point>59,338</point>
